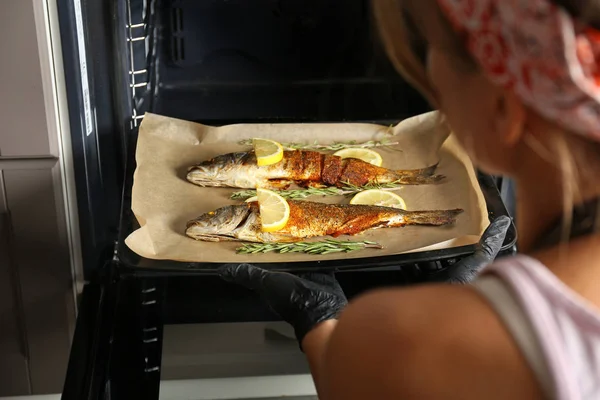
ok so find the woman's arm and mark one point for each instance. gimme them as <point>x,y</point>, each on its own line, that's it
<point>435,342</point>
<point>315,345</point>
<point>379,333</point>
<point>432,341</point>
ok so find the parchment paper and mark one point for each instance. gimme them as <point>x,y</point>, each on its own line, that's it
<point>163,201</point>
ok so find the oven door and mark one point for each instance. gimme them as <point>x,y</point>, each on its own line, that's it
<point>171,336</point>
<point>166,332</point>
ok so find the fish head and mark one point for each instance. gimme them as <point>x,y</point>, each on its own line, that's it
<point>226,170</point>
<point>219,224</point>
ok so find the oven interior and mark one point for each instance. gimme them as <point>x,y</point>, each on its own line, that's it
<point>224,61</point>
<point>219,62</point>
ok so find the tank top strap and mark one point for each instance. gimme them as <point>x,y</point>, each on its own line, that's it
<point>503,301</point>
<point>557,330</point>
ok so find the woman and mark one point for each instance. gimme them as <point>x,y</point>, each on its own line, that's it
<point>519,83</point>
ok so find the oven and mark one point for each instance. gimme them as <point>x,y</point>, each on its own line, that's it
<point>148,329</point>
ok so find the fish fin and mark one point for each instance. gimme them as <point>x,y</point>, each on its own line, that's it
<point>280,184</point>
<point>213,238</point>
<point>310,184</point>
<point>356,225</point>
<point>437,217</point>
<point>284,239</point>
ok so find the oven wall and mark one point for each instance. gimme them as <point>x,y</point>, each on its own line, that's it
<point>37,291</point>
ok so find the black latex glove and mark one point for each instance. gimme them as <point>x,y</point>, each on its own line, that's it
<point>490,244</point>
<point>303,301</point>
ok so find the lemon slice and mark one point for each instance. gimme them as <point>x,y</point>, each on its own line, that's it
<point>376,197</point>
<point>366,155</point>
<point>274,210</point>
<point>251,199</point>
<point>267,151</point>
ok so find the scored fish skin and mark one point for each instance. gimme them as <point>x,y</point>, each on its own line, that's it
<point>308,219</point>
<point>303,167</point>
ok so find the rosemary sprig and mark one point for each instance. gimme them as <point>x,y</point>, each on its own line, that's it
<point>329,147</point>
<point>294,194</point>
<point>327,246</point>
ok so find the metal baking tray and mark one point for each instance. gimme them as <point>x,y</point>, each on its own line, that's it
<point>129,259</point>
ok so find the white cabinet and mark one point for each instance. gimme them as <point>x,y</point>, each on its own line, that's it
<point>23,129</point>
<point>37,307</point>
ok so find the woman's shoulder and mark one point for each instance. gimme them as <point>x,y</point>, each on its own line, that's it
<point>566,273</point>
<point>523,273</point>
<point>428,341</point>
<point>432,340</point>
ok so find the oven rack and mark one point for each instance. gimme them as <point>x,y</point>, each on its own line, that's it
<point>140,34</point>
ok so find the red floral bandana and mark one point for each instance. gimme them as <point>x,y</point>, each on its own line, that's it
<point>549,59</point>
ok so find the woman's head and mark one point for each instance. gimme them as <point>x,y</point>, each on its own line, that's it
<point>496,123</point>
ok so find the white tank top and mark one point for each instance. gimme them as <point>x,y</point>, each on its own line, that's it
<point>557,330</point>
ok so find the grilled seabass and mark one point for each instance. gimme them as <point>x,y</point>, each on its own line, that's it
<point>305,168</point>
<point>307,219</point>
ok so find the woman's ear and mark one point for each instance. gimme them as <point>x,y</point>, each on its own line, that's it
<point>509,117</point>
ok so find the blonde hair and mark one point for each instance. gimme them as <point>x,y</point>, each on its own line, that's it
<point>392,21</point>
<point>403,45</point>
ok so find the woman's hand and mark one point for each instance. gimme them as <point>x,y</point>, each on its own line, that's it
<point>489,245</point>
<point>303,301</point>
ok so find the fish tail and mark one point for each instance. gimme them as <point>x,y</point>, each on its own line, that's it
<point>428,171</point>
<point>437,218</point>
<point>419,179</point>
<point>422,176</point>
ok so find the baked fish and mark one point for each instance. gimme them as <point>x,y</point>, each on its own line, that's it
<point>307,219</point>
<point>304,168</point>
